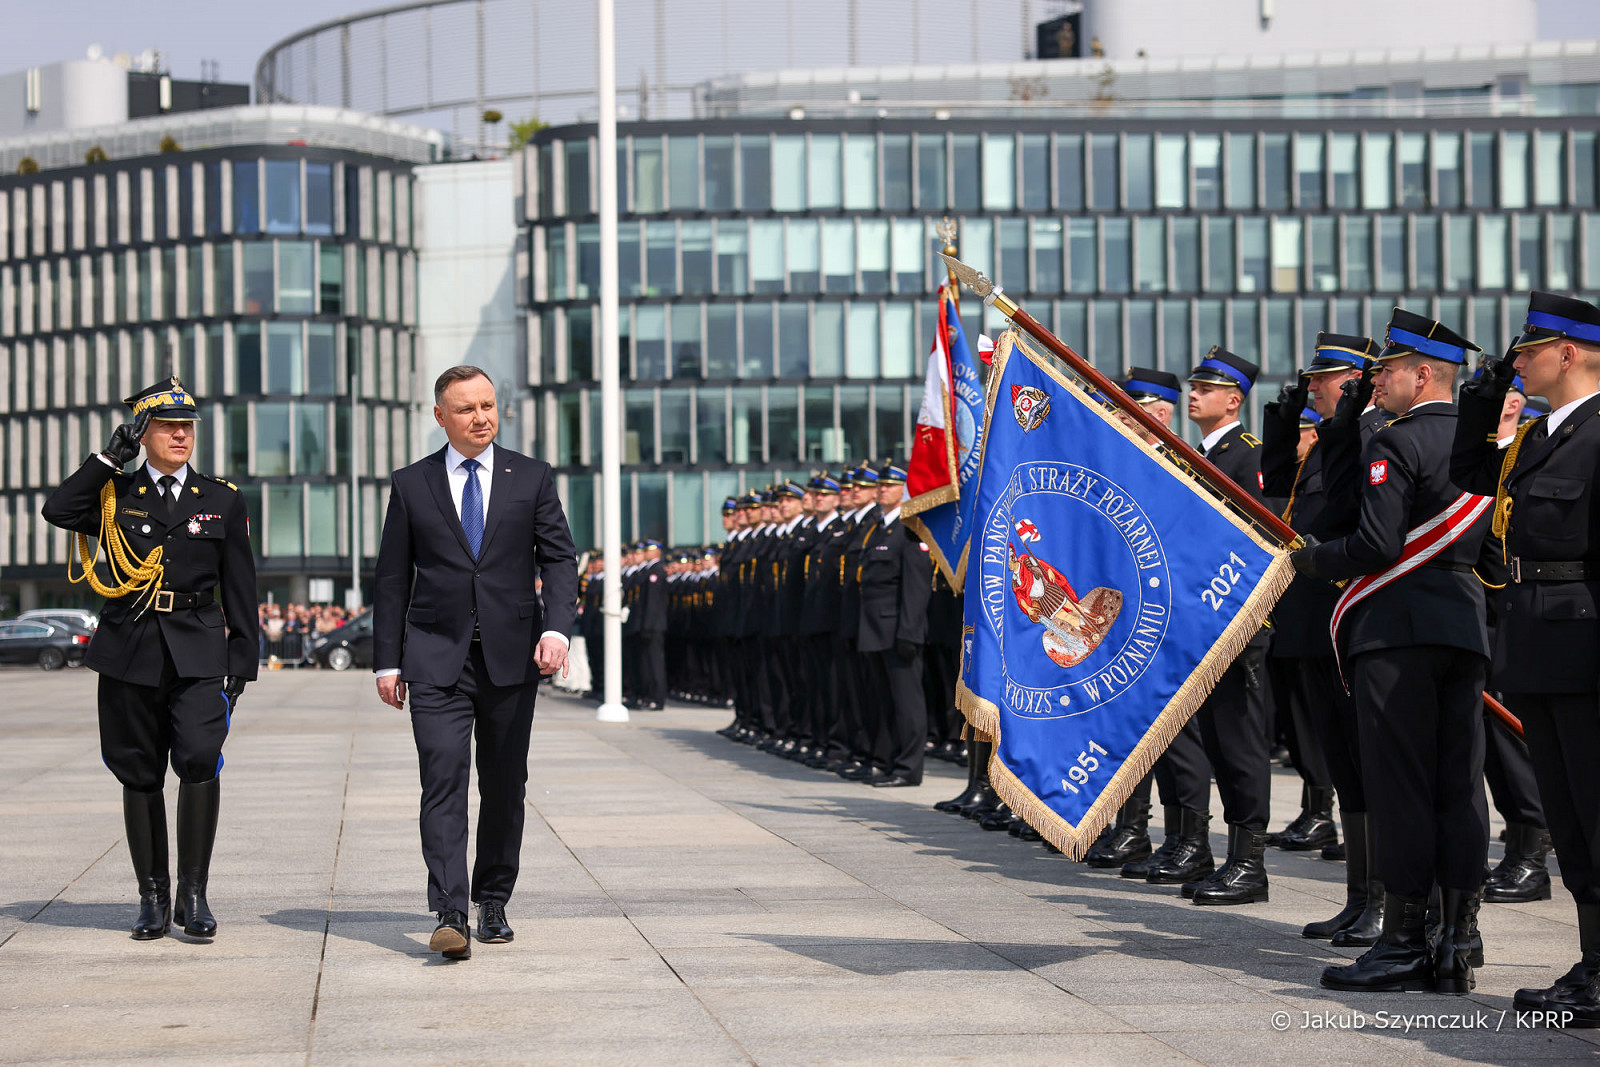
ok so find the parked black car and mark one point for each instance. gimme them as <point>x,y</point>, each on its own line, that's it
<point>348,646</point>
<point>52,645</point>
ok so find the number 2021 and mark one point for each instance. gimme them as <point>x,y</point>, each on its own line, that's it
<point>1225,581</point>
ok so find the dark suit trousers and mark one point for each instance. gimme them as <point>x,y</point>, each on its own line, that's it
<point>1508,769</point>
<point>653,668</point>
<point>1421,722</point>
<point>1305,745</point>
<point>1183,773</point>
<point>1332,714</point>
<point>1563,732</point>
<point>844,713</point>
<point>443,722</point>
<point>1234,729</point>
<point>903,715</point>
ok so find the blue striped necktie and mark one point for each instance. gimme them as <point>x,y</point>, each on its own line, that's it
<point>472,507</point>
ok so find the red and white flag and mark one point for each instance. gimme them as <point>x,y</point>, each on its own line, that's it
<point>931,476</point>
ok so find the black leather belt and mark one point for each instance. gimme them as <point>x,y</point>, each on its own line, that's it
<point>167,601</point>
<point>1536,570</point>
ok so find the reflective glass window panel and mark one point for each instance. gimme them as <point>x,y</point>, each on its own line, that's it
<point>722,339</point>
<point>689,513</point>
<point>676,427</point>
<point>838,255</point>
<point>908,240</point>
<point>273,440</point>
<point>1219,255</point>
<point>1447,176</point>
<point>639,426</point>
<point>1583,168</point>
<point>319,198</point>
<point>555,245</point>
<point>1286,249</point>
<point>322,515</point>
<point>285,516</point>
<point>311,439</point>
<point>999,172</point>
<point>966,164</point>
<point>1275,171</point>
<point>683,176</point>
<point>757,361</point>
<point>1358,253</point>
<point>1073,324</point>
<point>1253,255</point>
<point>647,174</point>
<point>653,505</point>
<point>827,348</point>
<point>1514,169</point>
<point>1069,172</point>
<point>1176,347</point>
<point>1463,253</point>
<point>1118,255</point>
<point>755,172</point>
<point>246,196</point>
<point>783,425</point>
<point>1152,245</point>
<point>1140,171</point>
<point>897,172</point>
<point>855,423</point>
<point>1485,321</point>
<point>890,416</point>
<point>1481,159</point>
<point>1142,351</point>
<point>719,187</point>
<point>697,265</point>
<point>766,256</point>
<point>711,426</point>
<point>899,355</point>
<point>861,352</point>
<point>1186,254</point>
<point>1377,172</point>
<point>284,355</point>
<point>577,153</point>
<point>1104,172</point>
<point>1207,160</point>
<point>822,443</point>
<point>1344,159</point>
<point>794,339</point>
<point>257,278</point>
<point>650,343</point>
<point>1108,337</point>
<point>322,359</point>
<point>1591,252</point>
<point>1047,255</point>
<point>1246,341</point>
<point>661,258</point>
<point>1313,318</point>
<point>748,438</point>
<point>1012,268</point>
<point>630,276</point>
<point>295,260</point>
<point>733,256</point>
<point>861,172</point>
<point>569,429</point>
<point>1391,252</point>
<point>222,279</point>
<point>1551,162</point>
<point>1280,353</point>
<point>1530,253</point>
<point>804,256</point>
<point>1413,170</point>
<point>1241,171</point>
<point>976,242</point>
<point>1347,317</point>
<point>1209,329</point>
<point>872,254</point>
<point>1492,237</point>
<point>588,285</point>
<point>283,196</point>
<point>1172,171</point>
<point>788,172</point>
<point>1563,273</point>
<point>213,195</point>
<point>1308,170</point>
<point>330,280</point>
<point>931,173</point>
<point>824,173</point>
<point>1035,167</point>
<point>1425,238</point>
<point>1324,254</point>
<point>686,341</point>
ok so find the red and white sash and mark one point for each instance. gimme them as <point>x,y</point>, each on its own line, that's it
<point>1422,544</point>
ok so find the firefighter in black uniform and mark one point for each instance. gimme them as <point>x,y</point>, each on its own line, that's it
<point>650,613</point>
<point>896,579</point>
<point>172,660</point>
<point>867,703</point>
<point>1547,508</point>
<point>592,622</point>
<point>818,619</point>
<point>1414,649</point>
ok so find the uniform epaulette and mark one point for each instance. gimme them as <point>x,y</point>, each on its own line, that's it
<point>221,481</point>
<point>1250,439</point>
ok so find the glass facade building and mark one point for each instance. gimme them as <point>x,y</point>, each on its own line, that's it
<point>272,280</point>
<point>777,275</point>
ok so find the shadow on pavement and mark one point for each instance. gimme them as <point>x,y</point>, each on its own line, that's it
<point>386,929</point>
<point>97,916</point>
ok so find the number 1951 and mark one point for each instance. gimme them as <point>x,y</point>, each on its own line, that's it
<point>1087,763</point>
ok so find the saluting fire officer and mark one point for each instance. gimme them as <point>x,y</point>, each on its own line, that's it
<point>172,660</point>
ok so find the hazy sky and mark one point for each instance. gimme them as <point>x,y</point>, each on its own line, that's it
<point>235,33</point>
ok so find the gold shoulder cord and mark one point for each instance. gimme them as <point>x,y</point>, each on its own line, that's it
<point>138,575</point>
<point>1502,498</point>
<point>1295,488</point>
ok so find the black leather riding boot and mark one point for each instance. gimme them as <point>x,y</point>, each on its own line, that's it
<point>1191,860</point>
<point>1452,969</point>
<point>1129,838</point>
<point>1521,876</point>
<point>1355,881</point>
<point>1401,960</point>
<point>1582,972</point>
<point>1367,926</point>
<point>144,815</point>
<point>974,772</point>
<point>1317,829</point>
<point>198,805</point>
<point>1172,826</point>
<point>1244,879</point>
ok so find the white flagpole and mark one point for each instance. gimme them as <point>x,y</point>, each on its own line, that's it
<point>613,709</point>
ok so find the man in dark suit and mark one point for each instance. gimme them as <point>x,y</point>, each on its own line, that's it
<point>172,660</point>
<point>457,620</point>
<point>1411,633</point>
<point>650,614</point>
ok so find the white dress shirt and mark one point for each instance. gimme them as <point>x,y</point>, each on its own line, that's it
<point>1209,441</point>
<point>1559,415</point>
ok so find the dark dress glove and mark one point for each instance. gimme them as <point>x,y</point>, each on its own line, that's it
<point>123,448</point>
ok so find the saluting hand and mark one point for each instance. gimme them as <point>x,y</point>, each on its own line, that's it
<point>123,448</point>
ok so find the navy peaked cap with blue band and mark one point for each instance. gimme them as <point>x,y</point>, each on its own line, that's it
<point>1551,316</point>
<point>792,489</point>
<point>891,474</point>
<point>1146,386</point>
<point>730,505</point>
<point>1221,367</point>
<point>824,483</point>
<point>1411,334</point>
<point>750,500</point>
<point>1309,418</point>
<point>1342,351</point>
<point>865,477</point>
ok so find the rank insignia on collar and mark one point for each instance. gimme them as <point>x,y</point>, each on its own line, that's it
<point>195,489</point>
<point>143,489</point>
<point>194,527</point>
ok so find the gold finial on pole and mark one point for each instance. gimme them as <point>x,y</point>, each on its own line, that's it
<point>946,230</point>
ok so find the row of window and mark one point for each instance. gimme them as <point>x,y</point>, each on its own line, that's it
<point>818,171</point>
<point>195,281</point>
<point>1084,254</point>
<point>220,359</point>
<point>184,201</point>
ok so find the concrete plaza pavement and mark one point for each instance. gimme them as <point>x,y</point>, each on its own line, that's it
<point>683,900</point>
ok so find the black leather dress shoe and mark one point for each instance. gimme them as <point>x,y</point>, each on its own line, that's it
<point>450,938</point>
<point>892,781</point>
<point>492,926</point>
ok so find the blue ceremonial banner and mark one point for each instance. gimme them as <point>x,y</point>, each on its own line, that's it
<point>1107,592</point>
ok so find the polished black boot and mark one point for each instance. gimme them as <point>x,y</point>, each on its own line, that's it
<point>1401,960</point>
<point>1172,824</point>
<point>998,819</point>
<point>198,805</point>
<point>1452,965</point>
<point>1355,881</point>
<point>144,815</point>
<point>1573,982</point>
<point>1297,824</point>
<point>1243,879</point>
<point>1128,839</point>
<point>1316,830</point>
<point>1521,876</point>
<point>977,777</point>
<point>1368,926</point>
<point>1191,861</point>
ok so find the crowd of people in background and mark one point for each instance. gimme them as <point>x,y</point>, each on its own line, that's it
<point>288,630</point>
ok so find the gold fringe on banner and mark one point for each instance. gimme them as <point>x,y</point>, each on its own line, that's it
<point>984,715</point>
